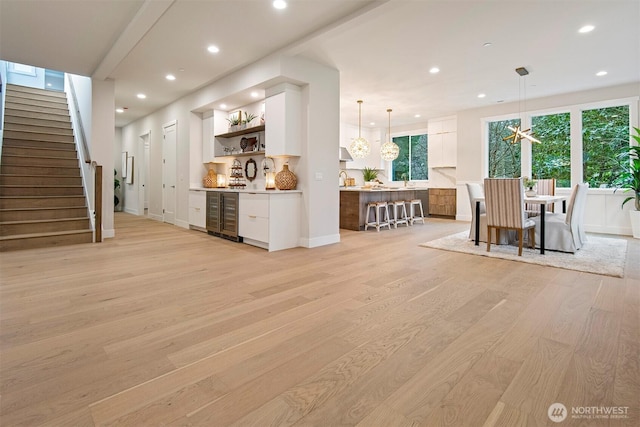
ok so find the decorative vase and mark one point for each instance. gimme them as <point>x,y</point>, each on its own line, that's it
<point>530,192</point>
<point>635,223</point>
<point>285,179</point>
<point>211,180</point>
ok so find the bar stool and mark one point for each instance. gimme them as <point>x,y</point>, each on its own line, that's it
<point>412,211</point>
<point>381,215</point>
<point>400,213</point>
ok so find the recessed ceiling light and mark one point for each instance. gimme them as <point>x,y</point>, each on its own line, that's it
<point>586,29</point>
<point>213,49</point>
<point>417,116</point>
<point>223,106</point>
<point>254,94</point>
<point>280,4</point>
<point>119,110</point>
<point>141,95</point>
<point>49,85</point>
<point>170,77</point>
<point>601,73</point>
<point>500,100</point>
<point>487,44</point>
<point>434,70</point>
<point>481,95</point>
<point>372,123</point>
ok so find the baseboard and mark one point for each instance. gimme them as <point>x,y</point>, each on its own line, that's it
<point>155,217</point>
<point>320,241</point>
<point>131,211</point>
<point>183,224</point>
<point>619,231</point>
<point>108,234</point>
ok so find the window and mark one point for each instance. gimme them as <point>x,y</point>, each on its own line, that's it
<point>412,163</point>
<point>595,133</point>
<point>552,158</point>
<point>605,132</point>
<point>504,157</point>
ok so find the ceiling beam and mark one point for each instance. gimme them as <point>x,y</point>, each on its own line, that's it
<point>145,19</point>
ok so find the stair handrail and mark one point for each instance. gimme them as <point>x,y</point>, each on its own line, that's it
<point>83,139</point>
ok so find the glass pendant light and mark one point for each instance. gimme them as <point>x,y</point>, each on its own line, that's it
<point>360,147</point>
<point>389,150</point>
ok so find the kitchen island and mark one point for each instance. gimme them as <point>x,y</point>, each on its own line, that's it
<point>353,202</point>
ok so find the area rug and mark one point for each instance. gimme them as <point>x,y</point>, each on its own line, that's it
<point>601,255</point>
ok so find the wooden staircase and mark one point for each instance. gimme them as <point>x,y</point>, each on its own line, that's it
<point>42,200</point>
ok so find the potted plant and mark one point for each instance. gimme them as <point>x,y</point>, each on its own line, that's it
<point>370,176</point>
<point>528,185</point>
<point>116,185</point>
<point>629,180</point>
<point>248,117</point>
<point>234,122</point>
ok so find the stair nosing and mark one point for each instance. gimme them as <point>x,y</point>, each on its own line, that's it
<point>40,221</point>
<point>53,233</point>
<point>41,208</point>
<point>22,156</point>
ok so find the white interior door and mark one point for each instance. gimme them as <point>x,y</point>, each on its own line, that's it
<point>169,174</point>
<point>142,170</point>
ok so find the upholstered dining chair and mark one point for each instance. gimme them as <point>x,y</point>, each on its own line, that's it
<point>565,232</point>
<point>475,191</point>
<point>544,187</point>
<point>504,200</point>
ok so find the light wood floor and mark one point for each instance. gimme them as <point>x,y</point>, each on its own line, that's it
<point>166,326</point>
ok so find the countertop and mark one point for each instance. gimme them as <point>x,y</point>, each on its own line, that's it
<point>245,190</point>
<point>382,189</point>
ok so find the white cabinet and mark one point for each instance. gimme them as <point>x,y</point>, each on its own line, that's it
<point>197,209</point>
<point>270,220</point>
<point>443,142</point>
<point>282,121</point>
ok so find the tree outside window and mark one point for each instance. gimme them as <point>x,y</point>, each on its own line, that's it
<point>412,163</point>
<point>504,157</point>
<point>552,158</point>
<point>605,132</point>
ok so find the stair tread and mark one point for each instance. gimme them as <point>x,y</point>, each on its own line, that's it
<point>46,208</point>
<point>37,157</point>
<point>47,234</point>
<point>40,186</point>
<point>38,197</point>
<point>39,221</point>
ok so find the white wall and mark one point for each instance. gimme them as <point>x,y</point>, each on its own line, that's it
<point>603,213</point>
<point>102,144</point>
<point>19,79</point>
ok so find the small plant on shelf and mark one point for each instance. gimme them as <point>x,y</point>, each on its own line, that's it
<point>248,118</point>
<point>528,183</point>
<point>234,122</point>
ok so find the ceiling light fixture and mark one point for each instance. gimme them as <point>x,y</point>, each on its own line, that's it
<point>213,49</point>
<point>586,29</point>
<point>389,150</point>
<point>360,147</point>
<point>119,110</point>
<point>417,116</point>
<point>518,134</point>
<point>487,44</point>
<point>254,94</point>
<point>434,70</point>
<point>481,95</point>
<point>601,73</point>
<point>223,106</point>
<point>170,77</point>
<point>280,4</point>
<point>141,96</point>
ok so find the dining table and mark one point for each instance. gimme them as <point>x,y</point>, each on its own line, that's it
<point>537,200</point>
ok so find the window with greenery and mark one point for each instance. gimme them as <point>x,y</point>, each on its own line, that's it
<point>412,163</point>
<point>552,158</point>
<point>504,157</point>
<point>605,131</point>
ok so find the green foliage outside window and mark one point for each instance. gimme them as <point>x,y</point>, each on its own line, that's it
<point>413,162</point>
<point>605,133</point>
<point>552,158</point>
<point>504,157</point>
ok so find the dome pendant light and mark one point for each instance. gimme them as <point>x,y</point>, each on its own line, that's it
<point>389,150</point>
<point>360,147</point>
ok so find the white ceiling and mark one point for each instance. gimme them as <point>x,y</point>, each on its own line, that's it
<point>383,49</point>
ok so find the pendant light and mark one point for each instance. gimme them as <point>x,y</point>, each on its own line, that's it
<point>518,134</point>
<point>360,147</point>
<point>389,150</point>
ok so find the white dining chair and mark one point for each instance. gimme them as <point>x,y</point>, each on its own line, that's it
<point>504,200</point>
<point>563,231</point>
